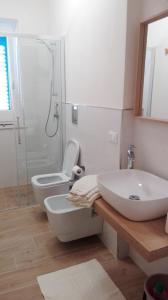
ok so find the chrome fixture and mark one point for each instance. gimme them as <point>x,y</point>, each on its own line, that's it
<point>134,197</point>
<point>53,94</point>
<point>18,130</point>
<point>131,156</point>
<point>75,114</point>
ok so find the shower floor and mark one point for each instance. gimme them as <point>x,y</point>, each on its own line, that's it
<point>15,197</point>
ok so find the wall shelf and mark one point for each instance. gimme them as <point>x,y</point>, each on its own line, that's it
<point>147,238</point>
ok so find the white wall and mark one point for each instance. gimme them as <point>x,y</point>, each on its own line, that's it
<point>101,54</point>
<point>98,153</point>
<point>61,15</point>
<point>157,32</point>
<point>32,15</point>
<point>95,49</point>
<point>158,266</point>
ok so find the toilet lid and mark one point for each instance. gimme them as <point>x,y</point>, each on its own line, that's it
<point>71,157</point>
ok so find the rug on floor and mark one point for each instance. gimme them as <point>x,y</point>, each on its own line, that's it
<point>86,281</point>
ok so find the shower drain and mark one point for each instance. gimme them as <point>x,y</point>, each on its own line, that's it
<point>134,197</point>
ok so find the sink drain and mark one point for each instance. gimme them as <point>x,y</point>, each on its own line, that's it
<point>134,197</point>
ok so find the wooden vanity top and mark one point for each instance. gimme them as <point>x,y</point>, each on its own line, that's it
<point>147,238</point>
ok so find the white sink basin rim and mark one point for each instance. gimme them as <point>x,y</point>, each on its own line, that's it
<point>137,195</point>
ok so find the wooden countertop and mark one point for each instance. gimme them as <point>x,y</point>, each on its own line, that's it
<point>147,238</point>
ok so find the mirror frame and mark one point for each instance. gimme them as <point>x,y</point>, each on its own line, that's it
<point>141,66</point>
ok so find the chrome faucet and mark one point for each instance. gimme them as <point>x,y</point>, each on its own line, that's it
<point>131,156</point>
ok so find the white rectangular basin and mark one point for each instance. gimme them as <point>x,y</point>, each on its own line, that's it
<point>137,195</point>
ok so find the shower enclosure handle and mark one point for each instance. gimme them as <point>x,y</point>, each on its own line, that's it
<point>18,130</point>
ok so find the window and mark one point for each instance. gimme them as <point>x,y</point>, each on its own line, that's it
<point>5,102</point>
<point>8,25</point>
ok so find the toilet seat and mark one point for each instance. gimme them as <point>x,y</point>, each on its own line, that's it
<point>50,180</point>
<point>57,183</point>
<point>71,157</point>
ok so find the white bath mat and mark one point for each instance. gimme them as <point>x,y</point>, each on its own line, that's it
<point>86,281</point>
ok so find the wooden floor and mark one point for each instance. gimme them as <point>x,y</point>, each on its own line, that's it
<point>16,197</point>
<point>28,249</point>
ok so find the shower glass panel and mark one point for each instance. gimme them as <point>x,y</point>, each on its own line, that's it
<point>35,139</point>
<point>9,92</point>
<point>43,153</point>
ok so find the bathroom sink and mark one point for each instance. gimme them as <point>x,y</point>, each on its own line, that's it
<point>137,195</point>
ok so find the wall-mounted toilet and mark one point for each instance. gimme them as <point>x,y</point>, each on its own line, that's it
<point>57,183</point>
<point>69,222</point>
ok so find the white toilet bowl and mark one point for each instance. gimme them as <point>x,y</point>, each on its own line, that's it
<point>57,183</point>
<point>69,222</point>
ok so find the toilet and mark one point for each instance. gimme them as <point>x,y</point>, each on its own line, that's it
<point>69,222</point>
<point>57,183</point>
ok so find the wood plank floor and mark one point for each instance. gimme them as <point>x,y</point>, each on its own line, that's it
<point>28,249</point>
<point>16,197</point>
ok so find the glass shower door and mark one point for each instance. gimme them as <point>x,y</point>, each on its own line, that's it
<point>32,143</point>
<point>41,89</point>
<point>18,116</point>
<point>12,173</point>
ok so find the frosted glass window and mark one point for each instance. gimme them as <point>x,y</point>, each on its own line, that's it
<point>5,101</point>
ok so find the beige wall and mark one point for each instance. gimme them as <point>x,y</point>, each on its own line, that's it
<point>150,138</point>
<point>153,7</point>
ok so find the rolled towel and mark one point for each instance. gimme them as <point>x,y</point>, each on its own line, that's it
<point>84,192</point>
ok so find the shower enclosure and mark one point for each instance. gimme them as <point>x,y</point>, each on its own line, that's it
<point>31,114</point>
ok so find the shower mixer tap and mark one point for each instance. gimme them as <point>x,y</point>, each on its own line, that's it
<point>131,156</point>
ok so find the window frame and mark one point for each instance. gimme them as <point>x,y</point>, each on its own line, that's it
<point>4,43</point>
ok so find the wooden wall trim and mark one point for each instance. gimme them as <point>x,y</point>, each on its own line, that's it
<point>141,64</point>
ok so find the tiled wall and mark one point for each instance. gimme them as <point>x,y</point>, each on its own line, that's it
<point>126,135</point>
<point>98,153</point>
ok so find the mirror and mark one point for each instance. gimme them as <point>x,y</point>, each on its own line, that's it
<point>152,86</point>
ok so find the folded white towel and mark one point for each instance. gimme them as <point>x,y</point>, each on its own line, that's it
<point>84,185</point>
<point>84,192</point>
<point>85,203</point>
